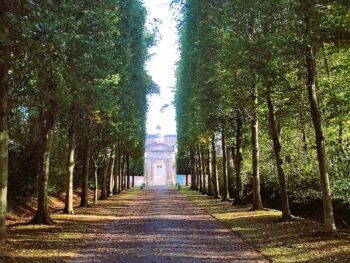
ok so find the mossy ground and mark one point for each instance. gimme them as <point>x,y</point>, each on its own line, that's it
<point>300,240</point>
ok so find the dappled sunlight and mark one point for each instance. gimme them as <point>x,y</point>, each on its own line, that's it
<point>299,240</point>
<point>84,217</point>
<point>136,226</point>
<point>162,225</point>
<point>66,238</point>
<point>43,254</point>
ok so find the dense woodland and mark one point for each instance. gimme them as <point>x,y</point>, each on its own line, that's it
<point>263,103</point>
<point>73,99</point>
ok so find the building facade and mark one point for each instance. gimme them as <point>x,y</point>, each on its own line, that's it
<point>160,164</point>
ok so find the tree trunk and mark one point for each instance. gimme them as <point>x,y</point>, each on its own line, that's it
<point>120,176</point>
<point>210,183</point>
<point>104,193</point>
<point>124,172</point>
<point>133,181</point>
<point>186,179</point>
<point>214,171</point>
<point>257,204</point>
<point>200,171</point>
<point>229,166</point>
<point>279,161</point>
<point>110,171</point>
<point>116,170</point>
<point>193,171</point>
<point>47,121</point>
<point>204,172</point>
<point>128,172</point>
<point>68,207</point>
<point>96,184</point>
<point>225,194</point>
<point>4,139</point>
<point>238,160</point>
<point>84,200</point>
<point>329,224</point>
<point>197,171</point>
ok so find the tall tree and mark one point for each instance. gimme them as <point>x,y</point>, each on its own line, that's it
<point>4,135</point>
<point>47,112</point>
<point>69,207</point>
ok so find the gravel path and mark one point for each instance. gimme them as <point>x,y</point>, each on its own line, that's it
<point>160,225</point>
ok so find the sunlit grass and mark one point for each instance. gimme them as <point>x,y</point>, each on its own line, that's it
<point>300,240</point>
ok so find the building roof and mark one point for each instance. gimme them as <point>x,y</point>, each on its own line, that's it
<point>152,136</point>
<point>170,135</point>
<point>159,147</point>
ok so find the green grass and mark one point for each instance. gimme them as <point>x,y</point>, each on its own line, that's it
<point>300,240</point>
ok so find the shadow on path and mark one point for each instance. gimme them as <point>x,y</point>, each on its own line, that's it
<point>161,225</point>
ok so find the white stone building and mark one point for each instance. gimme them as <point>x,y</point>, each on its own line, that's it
<point>160,164</point>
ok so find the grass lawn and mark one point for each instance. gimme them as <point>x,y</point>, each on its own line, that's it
<point>300,240</point>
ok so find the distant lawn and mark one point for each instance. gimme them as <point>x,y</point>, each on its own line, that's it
<point>298,241</point>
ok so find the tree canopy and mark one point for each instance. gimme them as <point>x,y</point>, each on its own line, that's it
<point>73,89</point>
<point>270,78</point>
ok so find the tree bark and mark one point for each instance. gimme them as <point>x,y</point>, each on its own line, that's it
<point>238,160</point>
<point>128,172</point>
<point>257,204</point>
<point>116,168</point>
<point>120,176</point>
<point>96,184</point>
<point>225,194</point>
<point>279,161</point>
<point>104,193</point>
<point>210,183</point>
<point>84,200</point>
<point>329,223</point>
<point>214,172</point>
<point>110,171</point>
<point>47,121</point>
<point>230,153</point>
<point>204,171</point>
<point>4,139</point>
<point>68,207</point>
<point>193,171</point>
<point>123,173</point>
<point>197,171</point>
<point>200,171</point>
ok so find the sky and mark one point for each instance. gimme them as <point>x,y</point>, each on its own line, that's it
<point>162,67</point>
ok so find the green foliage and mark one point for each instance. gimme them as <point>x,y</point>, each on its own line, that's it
<point>137,166</point>
<point>183,163</point>
<point>229,47</point>
<point>95,53</point>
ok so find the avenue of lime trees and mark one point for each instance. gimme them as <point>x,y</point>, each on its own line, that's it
<point>73,96</point>
<point>268,81</point>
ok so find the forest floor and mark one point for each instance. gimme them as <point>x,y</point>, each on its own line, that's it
<point>300,240</point>
<point>154,225</point>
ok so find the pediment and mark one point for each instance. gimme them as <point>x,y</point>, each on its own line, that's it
<point>159,147</point>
